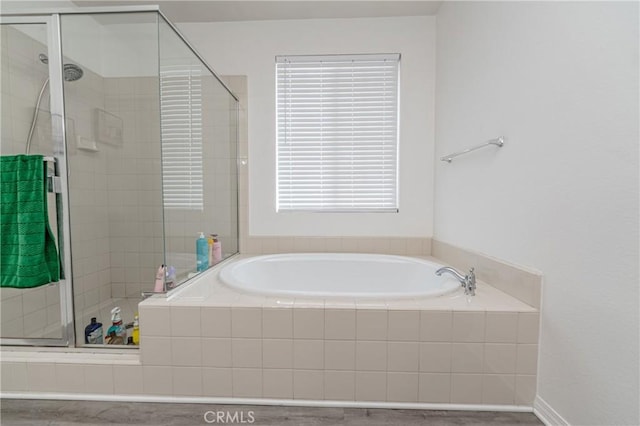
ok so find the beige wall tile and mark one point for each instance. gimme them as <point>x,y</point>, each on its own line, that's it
<point>308,384</point>
<point>403,356</point>
<point>186,352</point>
<point>13,376</point>
<point>339,355</point>
<point>246,353</point>
<point>501,327</point>
<point>339,385</point>
<point>187,381</point>
<point>518,282</point>
<point>525,390</point>
<point>350,245</point>
<point>527,363</point>
<point>155,350</point>
<point>414,246</point>
<point>500,358</point>
<point>498,389</point>
<point>277,384</point>
<point>285,244</point>
<point>157,380</point>
<point>435,357</point>
<point>70,378</point>
<point>453,255</point>
<point>246,322</point>
<point>371,324</point>
<point>371,386</point>
<point>333,244</point>
<point>277,353</point>
<point>308,323</point>
<point>216,352</point>
<point>308,354</point>
<point>404,325</point>
<point>466,388</point>
<point>402,387</point>
<point>467,357</point>
<point>528,327</point>
<point>269,245</point>
<point>436,326</point>
<point>215,322</point>
<point>277,323</point>
<point>340,324</point>
<point>99,379</point>
<point>247,382</point>
<point>155,321</point>
<point>398,246</point>
<point>217,382</point>
<point>127,379</point>
<point>468,326</point>
<point>41,377</point>
<point>185,321</point>
<point>434,388</point>
<point>253,245</point>
<point>371,356</point>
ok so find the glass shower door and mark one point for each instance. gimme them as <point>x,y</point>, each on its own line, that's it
<point>39,314</point>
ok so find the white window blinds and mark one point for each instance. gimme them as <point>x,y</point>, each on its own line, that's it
<point>181,127</point>
<point>337,132</point>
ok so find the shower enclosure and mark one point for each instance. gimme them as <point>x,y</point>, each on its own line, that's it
<point>139,138</point>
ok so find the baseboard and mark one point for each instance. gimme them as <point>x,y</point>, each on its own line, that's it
<point>265,401</point>
<point>547,414</point>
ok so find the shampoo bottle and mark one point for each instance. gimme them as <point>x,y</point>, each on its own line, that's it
<point>217,248</point>
<point>117,334</point>
<point>93,333</point>
<point>135,334</point>
<point>202,253</point>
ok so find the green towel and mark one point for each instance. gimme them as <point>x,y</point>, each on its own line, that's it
<point>28,255</point>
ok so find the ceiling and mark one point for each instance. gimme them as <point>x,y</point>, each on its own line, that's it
<point>246,10</point>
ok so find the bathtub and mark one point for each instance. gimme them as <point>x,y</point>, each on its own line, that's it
<point>328,275</point>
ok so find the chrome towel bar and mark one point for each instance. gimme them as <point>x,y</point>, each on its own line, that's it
<point>499,141</point>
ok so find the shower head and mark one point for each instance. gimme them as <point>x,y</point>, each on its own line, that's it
<point>72,72</point>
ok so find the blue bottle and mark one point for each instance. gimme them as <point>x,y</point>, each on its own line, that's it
<point>202,253</point>
<point>93,333</point>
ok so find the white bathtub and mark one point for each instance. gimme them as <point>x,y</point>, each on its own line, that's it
<point>337,275</point>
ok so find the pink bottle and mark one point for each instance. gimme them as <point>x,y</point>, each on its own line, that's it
<point>217,249</point>
<point>159,286</point>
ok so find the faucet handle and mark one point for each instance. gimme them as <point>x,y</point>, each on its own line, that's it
<point>472,275</point>
<point>470,283</point>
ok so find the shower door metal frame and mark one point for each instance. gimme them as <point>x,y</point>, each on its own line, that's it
<point>56,96</point>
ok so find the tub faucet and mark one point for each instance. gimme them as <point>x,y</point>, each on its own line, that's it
<point>468,281</point>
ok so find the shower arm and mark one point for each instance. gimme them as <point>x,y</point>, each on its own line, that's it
<point>35,115</point>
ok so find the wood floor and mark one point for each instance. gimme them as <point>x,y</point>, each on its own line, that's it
<point>66,413</point>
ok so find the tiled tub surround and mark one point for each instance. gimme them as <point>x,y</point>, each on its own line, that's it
<point>207,342</point>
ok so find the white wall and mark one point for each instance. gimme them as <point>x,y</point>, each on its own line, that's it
<point>560,80</point>
<point>249,48</point>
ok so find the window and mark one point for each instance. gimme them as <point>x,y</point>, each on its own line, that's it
<point>337,132</point>
<point>181,127</point>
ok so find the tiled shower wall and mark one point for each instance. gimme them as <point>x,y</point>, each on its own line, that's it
<point>88,196</point>
<point>134,185</point>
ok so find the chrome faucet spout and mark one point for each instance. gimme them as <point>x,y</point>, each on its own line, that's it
<point>452,271</point>
<point>468,282</point>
